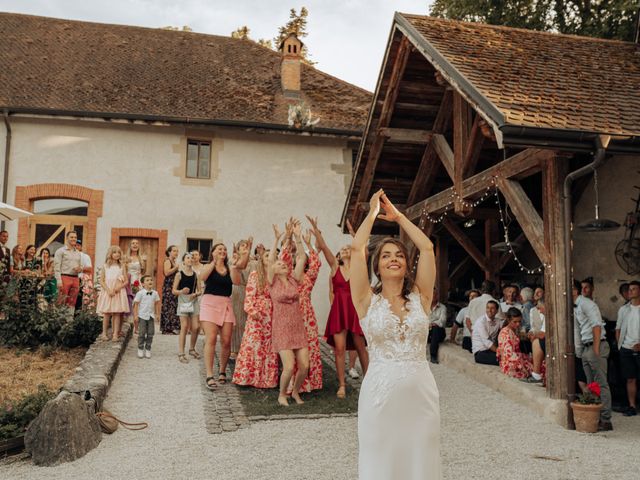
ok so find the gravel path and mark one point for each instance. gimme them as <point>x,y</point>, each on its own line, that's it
<point>167,394</point>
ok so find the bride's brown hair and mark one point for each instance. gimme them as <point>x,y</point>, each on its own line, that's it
<point>408,284</point>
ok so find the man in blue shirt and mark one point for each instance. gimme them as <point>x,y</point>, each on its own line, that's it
<point>591,341</point>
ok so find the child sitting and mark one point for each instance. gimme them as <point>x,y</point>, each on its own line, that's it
<point>146,308</point>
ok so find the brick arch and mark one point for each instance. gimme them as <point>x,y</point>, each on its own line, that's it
<point>26,195</point>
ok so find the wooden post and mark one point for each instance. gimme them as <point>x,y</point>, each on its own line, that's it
<point>560,357</point>
<point>491,235</point>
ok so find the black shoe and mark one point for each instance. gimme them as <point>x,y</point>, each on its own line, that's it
<point>605,426</point>
<point>619,408</point>
<point>434,359</point>
<point>630,412</point>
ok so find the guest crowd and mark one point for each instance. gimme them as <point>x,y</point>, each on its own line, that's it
<point>258,301</point>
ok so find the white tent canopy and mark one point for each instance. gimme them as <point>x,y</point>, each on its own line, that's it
<point>9,212</point>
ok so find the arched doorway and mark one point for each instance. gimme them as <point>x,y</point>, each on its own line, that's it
<point>53,218</point>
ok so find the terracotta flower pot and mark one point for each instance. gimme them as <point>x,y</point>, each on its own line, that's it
<point>586,417</point>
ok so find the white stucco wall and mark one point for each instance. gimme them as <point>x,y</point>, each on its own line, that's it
<point>593,253</point>
<point>263,178</point>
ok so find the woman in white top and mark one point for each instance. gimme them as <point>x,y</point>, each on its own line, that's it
<point>136,261</point>
<point>398,408</point>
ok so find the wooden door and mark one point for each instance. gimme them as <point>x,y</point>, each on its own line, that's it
<point>148,248</point>
<point>50,230</point>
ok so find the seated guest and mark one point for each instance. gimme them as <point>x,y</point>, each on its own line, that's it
<point>537,337</point>
<point>510,298</point>
<point>460,322</point>
<point>628,336</point>
<point>512,362</point>
<point>437,324</point>
<point>484,336</point>
<point>478,306</point>
<point>526,297</point>
<point>538,294</point>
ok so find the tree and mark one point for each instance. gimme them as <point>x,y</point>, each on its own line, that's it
<point>595,18</point>
<point>241,33</point>
<point>297,25</point>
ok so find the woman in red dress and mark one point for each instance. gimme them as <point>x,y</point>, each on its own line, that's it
<point>512,361</point>
<point>343,330</point>
<point>256,363</point>
<point>289,337</point>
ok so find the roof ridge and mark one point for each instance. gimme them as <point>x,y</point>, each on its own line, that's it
<point>161,29</point>
<point>520,29</point>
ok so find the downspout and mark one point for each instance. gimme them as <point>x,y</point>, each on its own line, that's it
<point>7,153</point>
<point>602,142</point>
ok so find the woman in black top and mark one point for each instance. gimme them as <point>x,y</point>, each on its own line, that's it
<point>186,287</point>
<point>216,309</point>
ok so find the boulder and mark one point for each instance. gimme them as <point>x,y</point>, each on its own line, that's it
<point>65,430</point>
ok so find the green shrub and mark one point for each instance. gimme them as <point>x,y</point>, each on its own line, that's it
<point>29,321</point>
<point>16,416</point>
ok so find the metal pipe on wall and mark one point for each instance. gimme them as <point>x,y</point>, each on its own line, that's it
<point>7,154</point>
<point>602,142</point>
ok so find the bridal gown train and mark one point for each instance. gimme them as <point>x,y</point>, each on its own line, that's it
<point>398,408</point>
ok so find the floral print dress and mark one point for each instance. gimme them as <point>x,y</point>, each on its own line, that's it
<point>512,362</point>
<point>169,319</point>
<point>256,363</point>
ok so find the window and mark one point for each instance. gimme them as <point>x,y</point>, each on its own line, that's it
<point>203,245</point>
<point>198,159</point>
<point>60,206</point>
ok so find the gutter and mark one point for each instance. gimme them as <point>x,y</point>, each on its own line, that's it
<point>183,120</point>
<point>601,143</point>
<point>7,154</point>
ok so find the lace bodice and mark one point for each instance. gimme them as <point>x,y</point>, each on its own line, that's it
<point>389,338</point>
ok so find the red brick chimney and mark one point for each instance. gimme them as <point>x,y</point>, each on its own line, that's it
<point>291,50</point>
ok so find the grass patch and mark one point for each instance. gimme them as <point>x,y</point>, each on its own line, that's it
<point>257,401</point>
<point>23,371</point>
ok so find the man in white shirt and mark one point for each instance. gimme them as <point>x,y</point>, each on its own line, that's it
<point>478,306</point>
<point>510,299</point>
<point>484,336</point>
<point>67,266</point>
<point>437,326</point>
<point>628,336</point>
<point>460,322</point>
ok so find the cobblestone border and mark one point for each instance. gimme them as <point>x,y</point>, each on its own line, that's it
<point>223,410</point>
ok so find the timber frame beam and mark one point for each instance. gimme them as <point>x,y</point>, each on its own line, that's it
<point>520,165</point>
<point>385,118</point>
<point>466,243</point>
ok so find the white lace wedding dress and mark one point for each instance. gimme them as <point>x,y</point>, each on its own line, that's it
<point>398,409</point>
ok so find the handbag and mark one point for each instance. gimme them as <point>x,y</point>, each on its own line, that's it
<point>186,307</point>
<point>109,423</point>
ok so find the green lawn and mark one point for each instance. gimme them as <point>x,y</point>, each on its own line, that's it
<point>258,401</point>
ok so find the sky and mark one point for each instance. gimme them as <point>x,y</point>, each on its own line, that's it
<point>347,38</point>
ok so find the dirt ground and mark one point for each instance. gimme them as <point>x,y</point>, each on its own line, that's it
<point>21,371</point>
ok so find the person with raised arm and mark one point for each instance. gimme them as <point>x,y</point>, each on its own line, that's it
<point>398,408</point>
<point>289,337</point>
<point>343,331</point>
<point>216,309</point>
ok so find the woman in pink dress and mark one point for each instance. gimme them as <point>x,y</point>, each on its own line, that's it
<point>512,361</point>
<point>112,300</point>
<point>256,363</point>
<point>313,381</point>
<point>289,337</point>
<point>343,331</point>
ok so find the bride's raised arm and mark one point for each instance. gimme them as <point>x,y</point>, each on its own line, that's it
<point>358,273</point>
<point>426,271</point>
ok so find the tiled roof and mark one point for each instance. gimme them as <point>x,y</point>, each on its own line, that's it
<point>66,65</point>
<point>540,79</point>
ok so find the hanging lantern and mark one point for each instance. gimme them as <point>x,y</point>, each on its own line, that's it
<point>598,224</point>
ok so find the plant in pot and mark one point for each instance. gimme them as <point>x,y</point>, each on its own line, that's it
<point>586,409</point>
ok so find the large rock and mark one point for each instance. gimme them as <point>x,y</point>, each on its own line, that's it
<point>65,430</point>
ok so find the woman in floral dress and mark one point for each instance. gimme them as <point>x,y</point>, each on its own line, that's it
<point>169,320</point>
<point>256,363</point>
<point>512,361</point>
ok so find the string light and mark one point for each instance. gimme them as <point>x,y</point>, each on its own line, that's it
<point>455,197</point>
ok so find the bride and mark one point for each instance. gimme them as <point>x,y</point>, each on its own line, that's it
<point>398,409</point>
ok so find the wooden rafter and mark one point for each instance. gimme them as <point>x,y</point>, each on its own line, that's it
<point>426,174</point>
<point>466,243</point>
<point>520,165</point>
<point>405,135</point>
<point>459,270</point>
<point>507,256</point>
<point>526,215</point>
<point>461,134</point>
<point>474,147</point>
<point>385,118</point>
<point>444,152</point>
